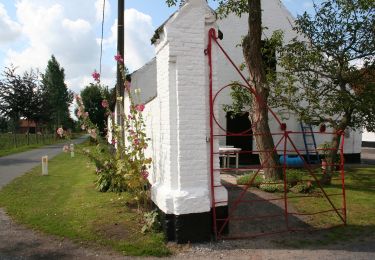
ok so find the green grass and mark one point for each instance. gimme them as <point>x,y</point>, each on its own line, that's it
<point>8,147</point>
<point>360,199</point>
<point>65,203</point>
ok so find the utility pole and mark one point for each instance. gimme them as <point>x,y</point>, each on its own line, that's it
<point>120,50</point>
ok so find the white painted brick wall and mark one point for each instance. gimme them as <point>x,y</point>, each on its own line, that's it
<point>183,184</point>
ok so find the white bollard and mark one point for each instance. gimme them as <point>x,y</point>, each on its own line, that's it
<point>45,165</point>
<point>71,150</point>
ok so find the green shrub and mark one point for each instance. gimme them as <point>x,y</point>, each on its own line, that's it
<point>307,187</point>
<point>245,179</point>
<point>271,186</point>
<point>293,176</point>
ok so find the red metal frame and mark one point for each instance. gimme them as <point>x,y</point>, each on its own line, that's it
<point>285,139</point>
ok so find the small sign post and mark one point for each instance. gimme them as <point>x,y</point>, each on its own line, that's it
<point>71,150</point>
<point>45,165</point>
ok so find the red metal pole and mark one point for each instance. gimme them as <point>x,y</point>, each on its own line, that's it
<point>212,35</point>
<point>286,133</point>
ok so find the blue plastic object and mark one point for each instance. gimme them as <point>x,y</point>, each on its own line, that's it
<point>291,160</point>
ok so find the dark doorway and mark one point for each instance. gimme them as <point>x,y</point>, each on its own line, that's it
<point>240,124</point>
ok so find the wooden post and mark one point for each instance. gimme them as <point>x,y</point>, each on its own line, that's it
<point>45,165</point>
<point>71,150</point>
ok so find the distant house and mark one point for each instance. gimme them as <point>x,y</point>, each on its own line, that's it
<point>28,126</point>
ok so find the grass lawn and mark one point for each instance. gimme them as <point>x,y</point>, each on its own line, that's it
<point>360,199</point>
<point>65,203</point>
<point>360,203</point>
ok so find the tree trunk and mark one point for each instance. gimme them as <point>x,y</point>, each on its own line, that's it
<point>332,154</point>
<point>251,47</point>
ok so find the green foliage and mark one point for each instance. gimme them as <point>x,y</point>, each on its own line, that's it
<point>121,166</point>
<point>242,97</point>
<point>271,186</point>
<point>57,96</point>
<point>245,179</point>
<point>293,176</point>
<point>242,100</point>
<point>321,81</point>
<point>92,97</point>
<point>151,222</point>
<point>225,6</point>
<point>20,96</point>
<point>305,187</point>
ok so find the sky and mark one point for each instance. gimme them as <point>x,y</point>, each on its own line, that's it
<point>32,30</point>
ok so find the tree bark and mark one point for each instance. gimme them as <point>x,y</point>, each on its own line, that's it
<point>332,154</point>
<point>252,50</point>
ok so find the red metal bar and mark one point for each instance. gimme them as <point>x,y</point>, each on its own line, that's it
<point>307,166</point>
<point>244,191</point>
<point>211,34</point>
<point>261,102</point>
<point>285,136</point>
<point>285,184</point>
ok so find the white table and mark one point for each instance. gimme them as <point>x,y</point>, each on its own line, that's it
<point>226,153</point>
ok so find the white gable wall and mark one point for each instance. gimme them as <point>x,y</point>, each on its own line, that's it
<point>275,16</point>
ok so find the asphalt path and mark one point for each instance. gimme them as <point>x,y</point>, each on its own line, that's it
<point>15,165</point>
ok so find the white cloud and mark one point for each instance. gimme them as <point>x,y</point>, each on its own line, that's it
<point>9,29</point>
<point>138,32</point>
<point>58,27</point>
<point>49,29</point>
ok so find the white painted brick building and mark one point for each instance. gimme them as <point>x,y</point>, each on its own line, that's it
<point>175,87</point>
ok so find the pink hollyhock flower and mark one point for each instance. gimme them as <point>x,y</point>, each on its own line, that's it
<point>145,174</point>
<point>96,76</point>
<point>105,103</point>
<point>66,148</point>
<point>140,107</point>
<point>60,132</point>
<point>114,141</point>
<point>119,58</point>
<point>136,141</point>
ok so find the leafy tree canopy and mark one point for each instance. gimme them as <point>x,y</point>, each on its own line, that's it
<point>329,73</point>
<point>92,97</point>
<point>59,97</point>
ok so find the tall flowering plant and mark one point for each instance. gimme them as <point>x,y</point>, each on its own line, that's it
<point>121,164</point>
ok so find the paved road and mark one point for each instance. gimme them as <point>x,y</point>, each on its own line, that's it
<point>15,165</point>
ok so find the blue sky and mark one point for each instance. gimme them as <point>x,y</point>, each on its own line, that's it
<point>32,30</point>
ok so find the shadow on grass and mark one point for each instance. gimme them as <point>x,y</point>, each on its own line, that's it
<point>254,231</point>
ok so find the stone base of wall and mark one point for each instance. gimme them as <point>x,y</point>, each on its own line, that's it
<point>352,158</point>
<point>368,144</point>
<point>191,228</point>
